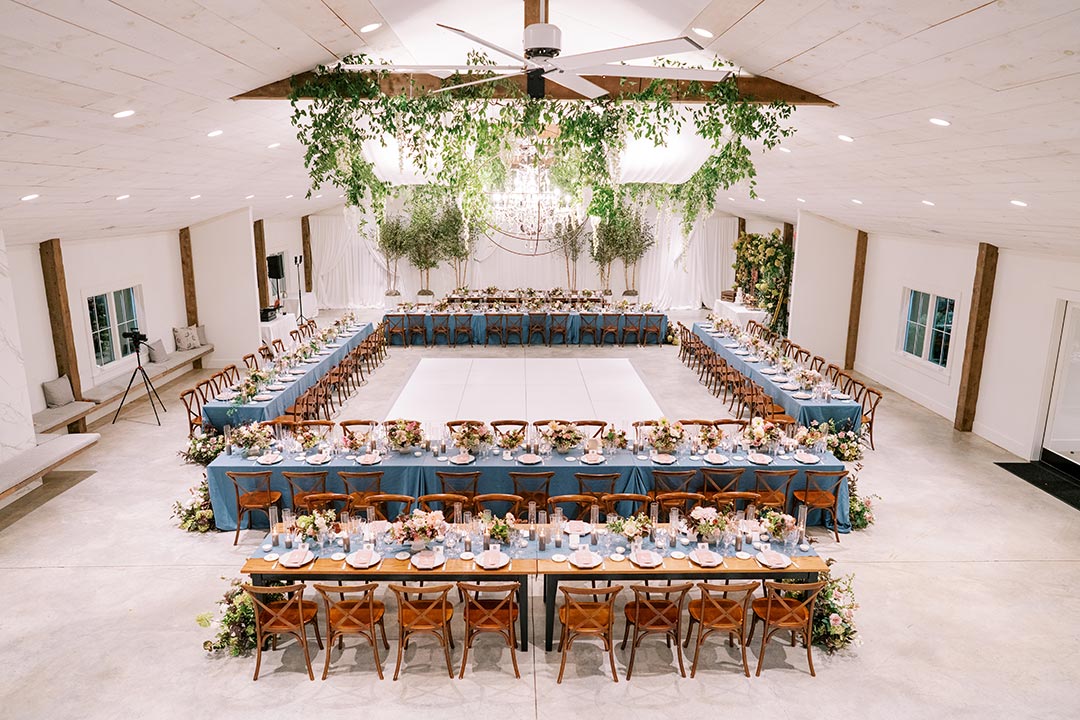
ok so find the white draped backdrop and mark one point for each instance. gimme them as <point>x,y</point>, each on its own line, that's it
<point>349,272</point>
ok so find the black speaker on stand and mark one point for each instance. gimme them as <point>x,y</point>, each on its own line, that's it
<point>275,268</point>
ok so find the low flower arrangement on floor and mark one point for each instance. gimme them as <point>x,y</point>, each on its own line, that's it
<point>196,514</point>
<point>834,613</point>
<point>404,434</point>
<point>203,447</point>
<point>562,436</point>
<point>848,446</point>
<point>631,528</point>
<point>236,627</point>
<point>665,435</point>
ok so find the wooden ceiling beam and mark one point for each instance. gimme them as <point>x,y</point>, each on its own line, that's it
<point>754,89</point>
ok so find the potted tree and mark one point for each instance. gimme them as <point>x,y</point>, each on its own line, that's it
<point>606,248</point>
<point>571,238</point>
<point>393,243</point>
<point>456,245</point>
<point>424,246</point>
<point>637,239</point>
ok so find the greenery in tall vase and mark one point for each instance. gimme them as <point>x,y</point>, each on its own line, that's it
<point>393,243</point>
<point>763,266</point>
<point>639,238</point>
<point>424,245</point>
<point>606,246</point>
<point>571,239</point>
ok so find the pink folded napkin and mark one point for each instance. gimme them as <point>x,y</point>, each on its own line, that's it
<point>490,557</point>
<point>363,557</point>
<point>425,559</point>
<point>295,557</point>
<point>576,526</point>
<point>771,557</point>
<point>582,556</point>
<point>646,557</point>
<point>706,557</point>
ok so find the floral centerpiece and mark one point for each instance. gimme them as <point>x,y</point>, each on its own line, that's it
<point>614,439</point>
<point>846,445</point>
<point>771,354</point>
<point>760,433</point>
<point>707,522</point>
<point>252,437</point>
<point>562,436</point>
<point>778,524</point>
<point>786,363</point>
<point>308,439</point>
<point>196,515</point>
<point>511,439</point>
<point>665,435</point>
<point>348,318</point>
<point>236,628</point>
<point>403,435</point>
<point>251,384</point>
<point>418,528</point>
<point>491,290</point>
<point>807,378</point>
<point>203,447</point>
<point>310,527</point>
<point>834,614</point>
<point>499,528</point>
<point>471,436</point>
<point>809,436</point>
<point>710,436</point>
<point>861,509</point>
<point>631,528</point>
<point>356,441</point>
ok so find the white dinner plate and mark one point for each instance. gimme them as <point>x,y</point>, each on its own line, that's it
<point>577,526</point>
<point>663,459</point>
<point>807,458</point>
<point>841,396</point>
<point>715,459</point>
<point>802,395</point>
<point>319,459</point>
<point>530,459</point>
<point>759,459</point>
<point>308,557</point>
<point>375,559</point>
<point>462,459</point>
<point>502,561</point>
<point>647,559</point>
<point>595,560</point>
<point>558,557</point>
<point>271,459</point>
<point>262,397</point>
<point>592,459</point>
<point>780,560</point>
<point>420,559</point>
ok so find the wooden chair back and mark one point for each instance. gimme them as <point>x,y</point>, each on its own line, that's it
<point>442,501</point>
<point>356,612</point>
<point>275,617</point>
<point>684,501</point>
<point>302,484</point>
<point>319,502</point>
<point>772,486</point>
<point>596,485</point>
<point>669,481</point>
<point>357,428</point>
<point>720,480</point>
<point>428,614</point>
<point>231,373</point>
<point>460,483</point>
<point>381,503</point>
<point>266,354</point>
<point>194,410</point>
<point>532,486</point>
<point>501,427</point>
<point>250,361</point>
<point>279,346</point>
<point>579,504</point>
<point>500,504</point>
<point>610,503</point>
<point>591,428</point>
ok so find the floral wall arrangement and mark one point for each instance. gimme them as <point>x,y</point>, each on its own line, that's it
<point>763,265</point>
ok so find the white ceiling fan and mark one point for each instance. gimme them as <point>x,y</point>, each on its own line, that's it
<point>542,44</point>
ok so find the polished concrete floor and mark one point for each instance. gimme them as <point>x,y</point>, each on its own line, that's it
<point>967,587</point>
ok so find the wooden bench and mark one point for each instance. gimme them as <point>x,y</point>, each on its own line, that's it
<point>51,419</point>
<point>114,389</point>
<point>23,472</point>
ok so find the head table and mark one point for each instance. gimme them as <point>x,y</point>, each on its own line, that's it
<point>415,476</point>
<point>478,326</point>
<point>845,413</point>
<point>220,413</point>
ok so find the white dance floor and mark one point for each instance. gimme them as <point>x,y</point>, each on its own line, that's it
<point>524,389</point>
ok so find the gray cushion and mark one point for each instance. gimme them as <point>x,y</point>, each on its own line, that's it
<point>200,330</point>
<point>58,392</point>
<point>186,338</point>
<point>157,351</point>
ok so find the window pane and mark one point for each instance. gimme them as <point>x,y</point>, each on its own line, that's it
<point>939,347</point>
<point>917,307</point>
<point>915,329</point>
<point>124,300</point>
<point>103,347</point>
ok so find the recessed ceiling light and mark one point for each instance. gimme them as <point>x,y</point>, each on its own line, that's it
<point>731,199</point>
<point>288,197</point>
<point>939,121</point>
<point>800,199</point>
<point>761,199</point>
<point>123,114</point>
<point>784,149</point>
<point>371,27</point>
<point>122,197</point>
<point>271,146</point>
<point>846,138</point>
<point>214,133</point>
<point>857,202</point>
<point>318,196</point>
<point>27,198</point>
<point>248,197</point>
<point>702,32</point>
<point>194,197</point>
<point>927,202</point>
<point>1017,203</point>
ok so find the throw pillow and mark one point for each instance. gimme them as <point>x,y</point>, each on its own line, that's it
<point>186,338</point>
<point>201,331</point>
<point>157,352</point>
<point>58,392</point>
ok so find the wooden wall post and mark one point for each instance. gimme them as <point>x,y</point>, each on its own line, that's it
<point>260,264</point>
<point>789,234</point>
<point>56,296</point>
<point>855,309</point>
<point>187,268</point>
<point>742,226</point>
<point>982,296</point>
<point>305,235</point>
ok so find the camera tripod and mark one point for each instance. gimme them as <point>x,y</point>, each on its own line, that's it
<point>151,391</point>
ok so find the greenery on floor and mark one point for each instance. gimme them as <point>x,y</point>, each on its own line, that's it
<point>236,627</point>
<point>196,515</point>
<point>834,613</point>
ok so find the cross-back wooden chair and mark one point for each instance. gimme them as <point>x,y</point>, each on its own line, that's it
<point>832,373</point>
<point>817,363</point>
<point>440,327</point>
<point>459,483</point>
<point>442,501</point>
<point>822,492</point>
<point>641,427</point>
<point>302,484</point>
<point>490,608</point>
<point>514,325</point>
<point>684,501</point>
<point>870,399</point>
<point>580,505</point>
<point>772,487</point>
<point>596,485</point>
<point>611,502</point>
<point>193,407</point>
<point>591,428</point>
<point>428,614</point>
<point>396,327</point>
<point>206,392</point>
<point>279,346</point>
<point>588,618</point>
<point>463,328</point>
<point>501,427</point>
<point>250,361</point>
<point>652,325</point>
<point>290,616</point>
<point>359,428</point>
<point>718,482</point>
<point>320,502</point>
<point>453,425</point>
<point>495,326</point>
<point>417,326</point>
<point>717,612</point>
<point>357,612</point>
<point>359,486</point>
<point>589,325</point>
<point>253,494</point>
<point>777,611</point>
<point>669,481</point>
<point>609,325</point>
<point>231,373</point>
<point>632,324</point>
<point>500,504</point>
<point>266,354</point>
<point>532,486</point>
<point>296,337</point>
<point>382,503</point>
<point>655,611</point>
<point>559,326</point>
<point>538,325</point>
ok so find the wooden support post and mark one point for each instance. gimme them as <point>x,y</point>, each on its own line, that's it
<point>855,310</point>
<point>56,296</point>
<point>789,234</point>
<point>742,226</point>
<point>187,268</point>
<point>536,11</point>
<point>982,296</point>
<point>305,234</point>
<point>260,264</point>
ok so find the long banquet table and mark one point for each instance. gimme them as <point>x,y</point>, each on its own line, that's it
<point>738,314</point>
<point>844,412</point>
<point>221,413</point>
<point>415,476</point>
<point>573,327</point>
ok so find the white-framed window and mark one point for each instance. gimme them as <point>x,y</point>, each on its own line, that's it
<point>112,314</point>
<point>928,327</point>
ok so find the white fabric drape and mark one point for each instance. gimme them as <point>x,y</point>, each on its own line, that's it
<point>350,272</point>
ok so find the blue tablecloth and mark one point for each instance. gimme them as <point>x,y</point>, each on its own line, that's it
<point>573,329</point>
<point>846,413</point>
<point>220,414</point>
<point>415,476</point>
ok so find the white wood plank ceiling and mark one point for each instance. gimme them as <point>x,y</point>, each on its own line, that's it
<point>1005,74</point>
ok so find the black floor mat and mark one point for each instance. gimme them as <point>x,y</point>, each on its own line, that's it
<point>1047,479</point>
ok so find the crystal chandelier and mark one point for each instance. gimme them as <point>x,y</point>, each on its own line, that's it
<point>529,204</point>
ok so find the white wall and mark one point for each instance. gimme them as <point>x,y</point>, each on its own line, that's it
<point>284,236</point>
<point>91,267</point>
<point>1021,347</point>
<point>223,256</point>
<point>16,425</point>
<point>894,264</point>
<point>763,225</point>
<point>821,286</point>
